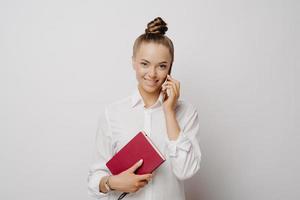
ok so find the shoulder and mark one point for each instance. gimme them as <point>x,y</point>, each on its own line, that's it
<point>118,106</point>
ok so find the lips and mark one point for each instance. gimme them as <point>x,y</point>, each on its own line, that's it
<point>151,82</point>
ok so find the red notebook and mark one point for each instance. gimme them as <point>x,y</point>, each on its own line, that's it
<point>139,147</point>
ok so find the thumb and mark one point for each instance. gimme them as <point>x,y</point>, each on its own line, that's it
<point>135,166</point>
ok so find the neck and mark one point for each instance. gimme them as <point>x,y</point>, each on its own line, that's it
<point>149,98</point>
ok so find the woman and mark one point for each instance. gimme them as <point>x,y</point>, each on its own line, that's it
<point>154,107</point>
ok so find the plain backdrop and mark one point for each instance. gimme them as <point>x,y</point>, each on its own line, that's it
<point>62,61</point>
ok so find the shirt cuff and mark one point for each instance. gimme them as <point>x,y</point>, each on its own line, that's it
<point>93,183</point>
<point>182,143</point>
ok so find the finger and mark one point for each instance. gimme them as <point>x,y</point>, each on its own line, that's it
<point>145,182</point>
<point>171,83</point>
<point>165,86</point>
<point>177,83</point>
<point>169,77</point>
<point>165,95</point>
<point>177,87</point>
<point>173,90</point>
<point>136,166</point>
<point>144,177</point>
<point>166,82</point>
<point>142,184</point>
<point>169,90</point>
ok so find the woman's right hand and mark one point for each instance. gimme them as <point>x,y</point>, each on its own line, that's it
<point>127,181</point>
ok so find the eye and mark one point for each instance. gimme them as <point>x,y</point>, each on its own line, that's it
<point>162,66</point>
<point>144,64</point>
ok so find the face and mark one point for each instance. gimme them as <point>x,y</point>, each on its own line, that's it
<point>151,63</point>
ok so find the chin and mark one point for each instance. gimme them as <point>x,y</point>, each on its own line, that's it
<point>150,89</point>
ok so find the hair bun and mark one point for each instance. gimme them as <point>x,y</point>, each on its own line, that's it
<point>156,26</point>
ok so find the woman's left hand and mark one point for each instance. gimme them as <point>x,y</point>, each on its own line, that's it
<point>170,101</point>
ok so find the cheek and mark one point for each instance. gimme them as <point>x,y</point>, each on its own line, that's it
<point>163,75</point>
<point>140,73</point>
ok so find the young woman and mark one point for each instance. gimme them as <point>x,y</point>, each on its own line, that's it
<point>154,107</point>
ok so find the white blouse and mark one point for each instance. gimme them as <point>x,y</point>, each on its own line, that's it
<point>122,121</point>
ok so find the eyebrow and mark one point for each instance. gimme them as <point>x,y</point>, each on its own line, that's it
<point>149,62</point>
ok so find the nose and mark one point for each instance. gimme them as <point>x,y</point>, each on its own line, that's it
<point>152,72</point>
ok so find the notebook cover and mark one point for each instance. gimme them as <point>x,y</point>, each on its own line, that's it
<point>137,148</point>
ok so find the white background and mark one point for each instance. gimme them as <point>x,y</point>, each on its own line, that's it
<point>238,62</point>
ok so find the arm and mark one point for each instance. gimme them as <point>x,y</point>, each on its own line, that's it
<point>103,151</point>
<point>126,181</point>
<point>184,150</point>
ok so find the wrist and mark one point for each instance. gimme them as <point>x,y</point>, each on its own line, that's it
<point>169,111</point>
<point>107,184</point>
<point>112,182</point>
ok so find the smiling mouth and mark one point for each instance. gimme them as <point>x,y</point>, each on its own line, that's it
<point>151,82</point>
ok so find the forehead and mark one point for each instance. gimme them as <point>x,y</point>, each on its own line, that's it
<point>153,52</point>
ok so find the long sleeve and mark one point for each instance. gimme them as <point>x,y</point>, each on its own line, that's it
<point>103,151</point>
<point>184,153</point>
<point>126,117</point>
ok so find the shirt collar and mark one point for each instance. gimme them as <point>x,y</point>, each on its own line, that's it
<point>137,99</point>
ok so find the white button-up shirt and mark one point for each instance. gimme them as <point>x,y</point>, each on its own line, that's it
<point>122,120</point>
